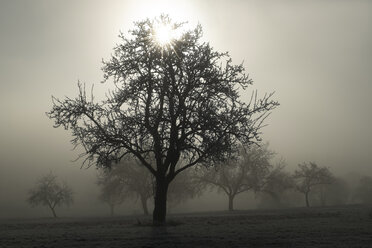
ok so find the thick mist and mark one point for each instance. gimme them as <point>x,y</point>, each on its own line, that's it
<point>315,55</point>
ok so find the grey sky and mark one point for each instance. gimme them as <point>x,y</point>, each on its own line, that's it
<point>316,56</point>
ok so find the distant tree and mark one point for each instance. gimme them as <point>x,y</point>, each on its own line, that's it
<point>363,192</point>
<point>111,192</point>
<point>48,192</point>
<point>184,187</point>
<point>309,175</point>
<point>336,193</point>
<point>249,172</point>
<point>129,179</point>
<point>174,98</point>
<point>276,185</point>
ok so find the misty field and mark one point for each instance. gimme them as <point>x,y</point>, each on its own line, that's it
<point>349,226</point>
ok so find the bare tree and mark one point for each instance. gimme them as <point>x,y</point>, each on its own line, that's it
<point>277,184</point>
<point>175,98</point>
<point>130,179</point>
<point>48,192</point>
<point>111,192</point>
<point>184,187</point>
<point>336,193</point>
<point>249,172</point>
<point>309,175</point>
<point>363,191</point>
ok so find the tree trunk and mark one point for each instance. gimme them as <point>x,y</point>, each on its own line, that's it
<point>54,212</point>
<point>323,202</point>
<point>275,197</point>
<point>144,205</point>
<point>112,210</point>
<point>160,209</point>
<point>307,199</point>
<point>231,202</point>
<point>322,196</point>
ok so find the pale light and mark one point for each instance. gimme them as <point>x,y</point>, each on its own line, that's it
<point>164,34</point>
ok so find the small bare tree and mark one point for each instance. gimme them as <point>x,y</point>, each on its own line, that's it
<point>277,184</point>
<point>309,175</point>
<point>111,192</point>
<point>48,192</point>
<point>337,193</point>
<point>363,191</point>
<point>249,172</point>
<point>184,187</point>
<point>130,179</point>
<point>127,179</point>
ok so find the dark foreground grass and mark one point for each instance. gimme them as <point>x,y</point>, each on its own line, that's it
<point>348,226</point>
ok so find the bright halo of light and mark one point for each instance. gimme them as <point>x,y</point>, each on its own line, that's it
<point>164,34</point>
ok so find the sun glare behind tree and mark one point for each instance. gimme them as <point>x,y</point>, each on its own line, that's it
<point>164,34</point>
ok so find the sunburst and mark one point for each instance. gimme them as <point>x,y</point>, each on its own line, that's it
<point>164,34</point>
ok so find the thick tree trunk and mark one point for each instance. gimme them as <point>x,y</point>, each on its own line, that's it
<point>231,202</point>
<point>144,205</point>
<point>160,208</point>
<point>307,199</point>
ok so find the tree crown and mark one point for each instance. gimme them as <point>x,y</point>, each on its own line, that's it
<point>173,100</point>
<point>48,192</point>
<point>310,174</point>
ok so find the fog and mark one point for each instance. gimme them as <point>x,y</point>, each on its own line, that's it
<point>315,55</point>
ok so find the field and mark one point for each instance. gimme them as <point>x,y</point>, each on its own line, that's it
<point>347,226</point>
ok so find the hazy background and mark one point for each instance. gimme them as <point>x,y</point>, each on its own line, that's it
<point>316,56</point>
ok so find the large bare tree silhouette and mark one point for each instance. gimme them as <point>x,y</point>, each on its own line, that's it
<point>175,98</point>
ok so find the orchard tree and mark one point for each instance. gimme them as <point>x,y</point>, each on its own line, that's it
<point>184,187</point>
<point>174,98</point>
<point>310,175</point>
<point>129,179</point>
<point>336,193</point>
<point>363,191</point>
<point>250,171</point>
<point>276,185</point>
<point>111,192</point>
<point>48,192</point>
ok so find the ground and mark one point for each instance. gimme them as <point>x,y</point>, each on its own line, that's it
<point>346,226</point>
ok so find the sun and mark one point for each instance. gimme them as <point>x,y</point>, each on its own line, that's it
<point>164,34</point>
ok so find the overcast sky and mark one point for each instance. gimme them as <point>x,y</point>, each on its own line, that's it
<point>316,56</point>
